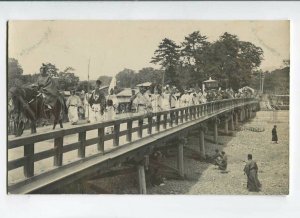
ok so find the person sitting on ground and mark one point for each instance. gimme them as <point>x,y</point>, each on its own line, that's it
<point>216,157</point>
<point>222,163</point>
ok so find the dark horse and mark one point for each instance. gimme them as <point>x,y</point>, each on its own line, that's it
<point>28,104</point>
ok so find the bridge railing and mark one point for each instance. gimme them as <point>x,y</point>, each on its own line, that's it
<point>155,122</point>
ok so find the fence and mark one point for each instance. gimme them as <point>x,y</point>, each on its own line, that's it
<point>148,124</point>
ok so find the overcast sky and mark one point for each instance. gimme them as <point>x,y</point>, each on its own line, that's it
<point>115,45</point>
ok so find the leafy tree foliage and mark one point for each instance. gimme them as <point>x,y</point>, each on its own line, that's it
<point>105,80</point>
<point>67,79</point>
<point>193,54</point>
<point>278,81</point>
<point>85,85</point>
<point>126,78</point>
<point>15,72</point>
<point>228,60</point>
<point>168,55</point>
<point>149,74</point>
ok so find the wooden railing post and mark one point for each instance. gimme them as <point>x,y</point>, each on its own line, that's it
<point>116,138</point>
<point>29,162</point>
<point>176,117</point>
<point>165,121</point>
<point>129,129</point>
<point>58,146</point>
<point>100,144</point>
<point>181,115</point>
<point>150,125</point>
<point>186,114</point>
<point>171,118</point>
<point>157,126</point>
<point>140,130</point>
<point>81,139</point>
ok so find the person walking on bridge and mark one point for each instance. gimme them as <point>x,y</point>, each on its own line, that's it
<point>73,103</point>
<point>98,103</point>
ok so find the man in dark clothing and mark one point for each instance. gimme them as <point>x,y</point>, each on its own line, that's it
<point>250,170</point>
<point>274,135</point>
<point>48,88</point>
<point>98,103</point>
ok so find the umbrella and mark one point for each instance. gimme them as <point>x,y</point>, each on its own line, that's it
<point>112,84</point>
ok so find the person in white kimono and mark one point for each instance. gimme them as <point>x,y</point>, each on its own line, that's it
<point>157,101</point>
<point>184,99</point>
<point>142,101</point>
<point>166,99</point>
<point>194,99</point>
<point>172,99</point>
<point>73,103</point>
<point>112,104</point>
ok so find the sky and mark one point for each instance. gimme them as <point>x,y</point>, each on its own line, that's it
<point>112,46</point>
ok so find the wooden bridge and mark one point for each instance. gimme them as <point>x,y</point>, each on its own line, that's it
<point>78,152</point>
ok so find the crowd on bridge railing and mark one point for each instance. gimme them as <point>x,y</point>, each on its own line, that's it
<point>146,99</point>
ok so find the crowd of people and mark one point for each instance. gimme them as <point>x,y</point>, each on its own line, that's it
<point>98,106</point>
<point>159,99</point>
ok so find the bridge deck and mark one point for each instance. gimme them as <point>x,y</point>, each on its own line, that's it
<point>74,167</point>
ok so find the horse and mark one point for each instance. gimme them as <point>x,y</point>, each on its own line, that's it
<point>29,104</point>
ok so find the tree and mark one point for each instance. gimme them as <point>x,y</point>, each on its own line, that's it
<point>105,80</point>
<point>232,61</point>
<point>149,74</point>
<point>14,71</point>
<point>126,78</point>
<point>168,55</point>
<point>85,85</point>
<point>278,81</point>
<point>67,79</point>
<point>193,54</point>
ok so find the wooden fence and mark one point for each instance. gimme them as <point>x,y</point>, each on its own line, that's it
<point>155,122</point>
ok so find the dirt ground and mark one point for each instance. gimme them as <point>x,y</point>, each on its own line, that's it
<point>205,178</point>
<point>272,160</point>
